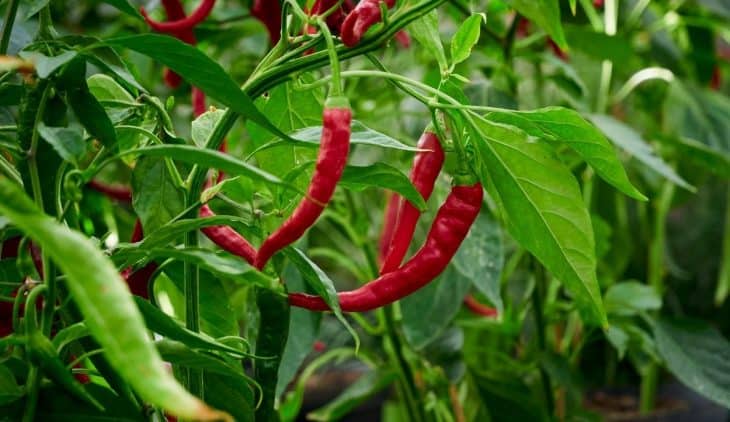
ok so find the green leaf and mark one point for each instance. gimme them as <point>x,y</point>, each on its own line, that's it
<point>630,141</point>
<point>156,199</point>
<point>165,325</point>
<point>125,7</point>
<point>10,391</point>
<point>208,159</point>
<point>92,116</point>
<point>545,212</point>
<point>199,70</point>
<point>70,334</point>
<point>559,124</point>
<point>222,265</point>
<point>104,87</point>
<point>303,331</point>
<point>426,31</point>
<point>59,406</point>
<point>481,257</point>
<point>599,45</point>
<point>67,141</point>
<point>698,355</point>
<point>45,66</point>
<point>631,298</point>
<point>443,298</point>
<point>356,394</point>
<point>321,283</point>
<point>232,395</point>
<point>203,126</point>
<point>705,157</point>
<point>105,302</point>
<point>545,13</point>
<point>381,175</point>
<point>360,134</point>
<point>466,38</point>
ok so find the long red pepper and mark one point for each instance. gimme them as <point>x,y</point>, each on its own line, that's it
<point>187,23</point>
<point>448,230</point>
<point>268,12</point>
<point>360,19</point>
<point>390,218</point>
<point>138,281</point>
<point>426,168</point>
<point>227,238</point>
<point>120,193</point>
<point>331,160</point>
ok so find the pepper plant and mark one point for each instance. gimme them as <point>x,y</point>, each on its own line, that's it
<point>486,210</point>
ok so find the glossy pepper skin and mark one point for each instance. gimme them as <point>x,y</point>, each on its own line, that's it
<point>139,280</point>
<point>331,160</point>
<point>187,23</point>
<point>227,238</point>
<point>426,168</point>
<point>360,19</point>
<point>390,218</point>
<point>448,230</point>
<point>268,12</point>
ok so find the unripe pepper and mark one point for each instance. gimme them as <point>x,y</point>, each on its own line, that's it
<point>331,160</point>
<point>426,168</point>
<point>448,230</point>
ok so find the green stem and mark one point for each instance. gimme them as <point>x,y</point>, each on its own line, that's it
<point>336,85</point>
<point>538,294</point>
<point>10,12</point>
<point>195,382</point>
<point>655,278</point>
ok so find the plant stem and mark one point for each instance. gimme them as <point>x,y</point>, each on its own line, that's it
<point>538,294</point>
<point>655,278</point>
<point>723,279</point>
<point>10,12</point>
<point>191,278</point>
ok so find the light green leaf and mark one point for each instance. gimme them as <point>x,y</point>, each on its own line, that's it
<point>630,141</point>
<point>426,31</point>
<point>631,297</point>
<point>567,126</point>
<point>545,13</point>
<point>466,38</point>
<point>544,209</point>
<point>361,134</point>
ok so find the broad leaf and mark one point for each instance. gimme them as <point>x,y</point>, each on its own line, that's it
<point>698,355</point>
<point>67,141</point>
<point>545,212</point>
<point>567,126</point>
<point>156,199</point>
<point>631,297</point>
<point>360,134</point>
<point>630,141</point>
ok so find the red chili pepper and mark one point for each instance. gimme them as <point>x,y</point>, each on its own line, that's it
<point>179,25</point>
<point>268,12</point>
<point>120,193</point>
<point>557,51</point>
<point>426,168</point>
<point>335,19</point>
<point>390,218</point>
<point>227,238</point>
<point>479,308</point>
<point>403,39</point>
<point>448,230</point>
<point>360,19</point>
<point>716,79</point>
<point>138,281</point>
<point>175,11</point>
<point>331,160</point>
<point>198,100</point>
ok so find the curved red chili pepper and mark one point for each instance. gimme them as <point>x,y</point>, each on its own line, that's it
<point>390,218</point>
<point>268,12</point>
<point>138,281</point>
<point>360,19</point>
<point>198,100</point>
<point>479,308</point>
<point>175,11</point>
<point>187,23</point>
<point>716,79</point>
<point>426,168</point>
<point>120,193</point>
<point>331,160</point>
<point>227,238</point>
<point>448,230</point>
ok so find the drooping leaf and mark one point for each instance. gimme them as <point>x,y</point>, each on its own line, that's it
<point>563,125</point>
<point>545,212</point>
<point>361,134</point>
<point>156,199</point>
<point>381,175</point>
<point>631,297</point>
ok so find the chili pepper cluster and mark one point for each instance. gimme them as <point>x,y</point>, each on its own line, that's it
<point>397,279</point>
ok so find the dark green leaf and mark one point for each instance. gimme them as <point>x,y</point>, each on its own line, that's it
<point>10,391</point>
<point>67,141</point>
<point>156,199</point>
<point>545,13</point>
<point>356,394</point>
<point>45,65</point>
<point>698,355</point>
<point>92,116</point>
<point>631,297</point>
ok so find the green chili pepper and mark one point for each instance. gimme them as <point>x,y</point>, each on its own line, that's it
<point>273,330</point>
